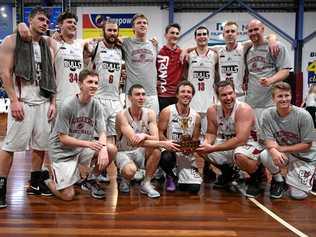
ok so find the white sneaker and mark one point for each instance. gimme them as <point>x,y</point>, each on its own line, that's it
<point>147,188</point>
<point>124,186</point>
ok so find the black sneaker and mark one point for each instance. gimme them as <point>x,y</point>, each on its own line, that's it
<point>37,184</point>
<point>39,189</point>
<point>94,188</point>
<point>253,190</point>
<point>277,189</point>
<point>238,182</point>
<point>224,180</point>
<point>3,190</point>
<point>255,186</point>
<point>208,175</point>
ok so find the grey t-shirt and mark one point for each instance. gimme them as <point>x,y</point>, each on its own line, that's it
<point>260,63</point>
<point>140,61</point>
<point>76,120</point>
<point>296,127</point>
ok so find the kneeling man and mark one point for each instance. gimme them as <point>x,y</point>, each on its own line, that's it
<point>72,141</point>
<point>232,138</point>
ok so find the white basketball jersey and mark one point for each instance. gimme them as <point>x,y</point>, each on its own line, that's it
<point>68,64</point>
<point>232,66</point>
<point>226,126</point>
<point>175,130</point>
<point>108,63</point>
<point>186,165</point>
<point>201,75</point>
<point>140,126</point>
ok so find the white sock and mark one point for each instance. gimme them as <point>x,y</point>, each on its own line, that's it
<point>47,181</point>
<point>278,177</point>
<point>147,180</point>
<point>266,160</point>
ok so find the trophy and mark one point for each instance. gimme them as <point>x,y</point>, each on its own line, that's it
<point>186,142</point>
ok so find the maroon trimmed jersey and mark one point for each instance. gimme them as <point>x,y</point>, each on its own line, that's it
<point>170,70</point>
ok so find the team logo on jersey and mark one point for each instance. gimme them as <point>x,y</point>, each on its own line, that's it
<point>229,69</point>
<point>111,66</point>
<point>80,126</point>
<point>201,75</point>
<point>142,56</point>
<point>63,48</point>
<point>72,64</point>
<point>304,176</point>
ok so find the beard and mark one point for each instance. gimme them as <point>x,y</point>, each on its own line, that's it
<point>110,40</point>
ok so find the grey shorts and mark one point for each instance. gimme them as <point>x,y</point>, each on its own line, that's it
<point>251,150</point>
<point>110,108</point>
<point>136,156</point>
<point>66,172</point>
<point>32,132</point>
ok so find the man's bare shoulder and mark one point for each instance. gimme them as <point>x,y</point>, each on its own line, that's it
<point>212,110</point>
<point>245,110</point>
<point>165,112</point>
<point>120,113</point>
<point>245,106</point>
<point>151,115</point>
<point>8,42</point>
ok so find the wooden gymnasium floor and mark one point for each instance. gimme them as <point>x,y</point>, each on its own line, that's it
<point>212,213</point>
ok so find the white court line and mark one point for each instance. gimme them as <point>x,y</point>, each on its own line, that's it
<point>278,219</point>
<point>312,192</point>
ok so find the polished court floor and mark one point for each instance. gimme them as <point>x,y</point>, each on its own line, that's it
<point>212,213</point>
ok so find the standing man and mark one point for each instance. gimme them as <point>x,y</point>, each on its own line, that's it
<point>169,67</point>
<point>138,140</point>
<point>201,73</point>
<point>231,56</point>
<point>72,140</point>
<point>232,138</point>
<point>69,58</point>
<point>140,59</point>
<point>263,69</point>
<point>180,123</point>
<point>29,82</point>
<point>288,132</point>
<point>231,64</point>
<point>107,62</point>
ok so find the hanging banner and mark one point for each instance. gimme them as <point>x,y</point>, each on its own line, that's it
<point>6,27</point>
<point>311,68</point>
<point>92,24</point>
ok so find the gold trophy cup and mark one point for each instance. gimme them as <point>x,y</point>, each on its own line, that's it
<point>186,142</point>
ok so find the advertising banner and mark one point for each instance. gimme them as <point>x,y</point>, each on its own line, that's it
<point>311,68</point>
<point>92,24</point>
